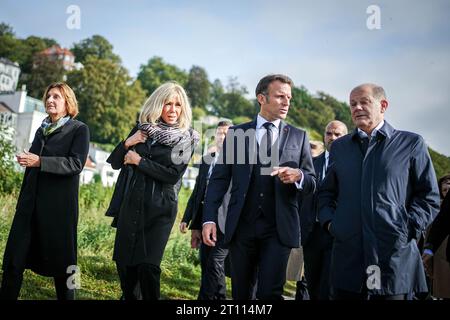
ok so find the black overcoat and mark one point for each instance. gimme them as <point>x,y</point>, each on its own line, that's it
<point>43,234</point>
<point>145,202</point>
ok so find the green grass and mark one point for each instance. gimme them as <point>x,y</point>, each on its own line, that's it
<point>180,277</point>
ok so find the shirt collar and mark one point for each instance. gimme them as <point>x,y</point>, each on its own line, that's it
<point>362,134</point>
<point>260,121</point>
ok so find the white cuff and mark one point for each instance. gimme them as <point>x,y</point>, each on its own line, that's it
<point>299,184</point>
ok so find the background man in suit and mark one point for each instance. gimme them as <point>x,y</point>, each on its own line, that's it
<point>212,259</point>
<point>379,194</point>
<point>262,222</point>
<point>316,241</point>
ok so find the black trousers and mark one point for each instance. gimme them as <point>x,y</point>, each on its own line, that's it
<point>12,283</point>
<point>256,252</point>
<point>317,261</point>
<point>140,282</point>
<point>212,261</point>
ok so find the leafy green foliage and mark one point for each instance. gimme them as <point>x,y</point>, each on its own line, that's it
<point>231,102</point>
<point>44,72</point>
<point>197,87</point>
<point>24,51</point>
<point>156,72</point>
<point>96,46</point>
<point>9,178</point>
<point>109,101</point>
<point>441,163</point>
<point>6,29</point>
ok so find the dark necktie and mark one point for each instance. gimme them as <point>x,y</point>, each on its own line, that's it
<point>266,141</point>
<point>364,145</point>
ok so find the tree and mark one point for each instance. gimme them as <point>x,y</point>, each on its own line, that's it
<point>94,46</point>
<point>341,109</point>
<point>157,72</point>
<point>231,103</point>
<point>441,163</point>
<point>12,48</point>
<point>109,101</point>
<point>44,72</point>
<point>6,29</point>
<point>198,86</point>
<point>216,92</point>
<point>24,52</point>
<point>198,113</point>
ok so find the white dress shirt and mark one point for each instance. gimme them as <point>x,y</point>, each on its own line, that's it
<point>324,169</point>
<point>260,131</point>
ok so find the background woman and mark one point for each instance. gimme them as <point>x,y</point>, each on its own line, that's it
<point>43,234</point>
<point>144,203</point>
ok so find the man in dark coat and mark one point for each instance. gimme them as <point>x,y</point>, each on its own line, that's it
<point>268,162</point>
<point>379,194</point>
<point>212,259</point>
<point>316,241</point>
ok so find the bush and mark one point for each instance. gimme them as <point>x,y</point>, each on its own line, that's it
<point>10,177</point>
<point>95,196</point>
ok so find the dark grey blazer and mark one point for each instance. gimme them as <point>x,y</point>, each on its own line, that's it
<point>294,151</point>
<point>378,205</point>
<point>309,203</point>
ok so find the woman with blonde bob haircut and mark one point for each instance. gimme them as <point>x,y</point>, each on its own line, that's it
<point>43,235</point>
<point>153,107</point>
<point>145,200</point>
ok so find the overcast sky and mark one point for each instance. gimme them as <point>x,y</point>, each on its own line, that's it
<point>323,45</point>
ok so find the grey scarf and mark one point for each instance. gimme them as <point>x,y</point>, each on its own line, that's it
<point>169,135</point>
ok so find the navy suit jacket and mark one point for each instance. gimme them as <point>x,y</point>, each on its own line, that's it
<point>193,213</point>
<point>294,152</point>
<point>308,203</point>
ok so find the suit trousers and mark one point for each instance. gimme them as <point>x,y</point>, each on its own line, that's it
<point>212,261</point>
<point>317,259</point>
<point>256,251</point>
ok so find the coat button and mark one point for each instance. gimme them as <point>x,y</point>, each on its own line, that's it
<point>261,195</point>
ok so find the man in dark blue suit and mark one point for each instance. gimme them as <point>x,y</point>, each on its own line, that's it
<point>269,162</point>
<point>212,259</point>
<point>316,241</point>
<point>379,194</point>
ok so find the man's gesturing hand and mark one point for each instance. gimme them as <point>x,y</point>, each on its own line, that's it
<point>287,174</point>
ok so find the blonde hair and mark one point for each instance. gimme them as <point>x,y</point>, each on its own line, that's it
<point>68,95</point>
<point>152,108</point>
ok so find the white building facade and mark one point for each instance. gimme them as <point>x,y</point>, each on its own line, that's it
<point>9,75</point>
